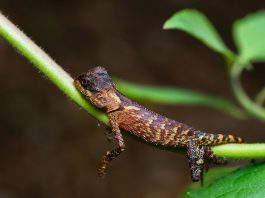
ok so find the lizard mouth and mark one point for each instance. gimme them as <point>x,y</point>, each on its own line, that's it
<point>84,91</point>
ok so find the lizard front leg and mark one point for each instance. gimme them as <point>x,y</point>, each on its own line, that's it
<point>110,155</point>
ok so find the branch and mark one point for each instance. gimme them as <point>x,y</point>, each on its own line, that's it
<point>46,65</point>
<point>64,82</point>
<point>240,151</point>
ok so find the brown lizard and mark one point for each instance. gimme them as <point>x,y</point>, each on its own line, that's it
<point>97,87</point>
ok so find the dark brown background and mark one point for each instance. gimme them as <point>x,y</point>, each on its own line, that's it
<point>51,148</point>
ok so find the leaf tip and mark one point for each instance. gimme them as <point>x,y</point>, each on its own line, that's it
<point>166,25</point>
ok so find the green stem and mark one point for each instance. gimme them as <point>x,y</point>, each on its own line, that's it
<point>46,65</point>
<point>260,98</point>
<point>240,151</point>
<point>169,96</point>
<point>253,108</point>
<point>64,82</point>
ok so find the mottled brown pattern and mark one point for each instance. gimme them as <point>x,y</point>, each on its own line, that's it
<point>98,88</point>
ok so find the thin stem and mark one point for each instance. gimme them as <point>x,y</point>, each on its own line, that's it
<point>64,82</point>
<point>177,96</point>
<point>46,65</point>
<point>253,108</point>
<point>240,151</point>
<point>260,98</point>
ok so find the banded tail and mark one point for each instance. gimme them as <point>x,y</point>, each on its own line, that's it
<point>224,139</point>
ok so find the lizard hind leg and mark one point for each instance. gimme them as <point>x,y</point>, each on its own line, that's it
<point>199,156</point>
<point>196,156</point>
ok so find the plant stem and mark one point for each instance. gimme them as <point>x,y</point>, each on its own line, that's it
<point>46,65</point>
<point>260,98</point>
<point>169,96</point>
<point>253,108</point>
<point>64,82</point>
<point>240,151</point>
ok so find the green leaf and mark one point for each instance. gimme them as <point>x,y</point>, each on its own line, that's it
<point>249,35</point>
<point>197,24</point>
<point>209,177</point>
<point>177,96</point>
<point>242,183</point>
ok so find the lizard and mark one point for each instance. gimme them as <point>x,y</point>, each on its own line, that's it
<point>98,88</point>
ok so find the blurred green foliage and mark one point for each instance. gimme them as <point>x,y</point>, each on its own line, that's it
<point>249,35</point>
<point>197,24</point>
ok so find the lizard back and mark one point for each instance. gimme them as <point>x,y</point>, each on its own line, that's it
<point>160,130</point>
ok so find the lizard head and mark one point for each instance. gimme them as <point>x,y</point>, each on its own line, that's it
<point>97,86</point>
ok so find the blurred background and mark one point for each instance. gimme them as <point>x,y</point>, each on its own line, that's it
<point>49,147</point>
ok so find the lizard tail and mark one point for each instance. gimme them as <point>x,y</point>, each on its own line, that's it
<point>224,139</point>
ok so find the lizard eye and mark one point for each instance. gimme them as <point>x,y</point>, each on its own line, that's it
<point>87,84</point>
<point>84,82</point>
